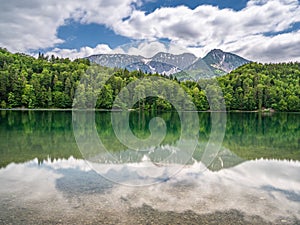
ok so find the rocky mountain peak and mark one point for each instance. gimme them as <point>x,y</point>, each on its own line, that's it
<point>215,63</point>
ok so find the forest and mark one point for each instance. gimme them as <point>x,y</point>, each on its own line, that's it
<point>50,82</point>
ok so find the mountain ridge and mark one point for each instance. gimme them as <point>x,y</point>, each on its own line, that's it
<point>184,66</point>
<point>223,58</point>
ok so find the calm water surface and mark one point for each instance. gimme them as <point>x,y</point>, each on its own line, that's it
<point>254,177</point>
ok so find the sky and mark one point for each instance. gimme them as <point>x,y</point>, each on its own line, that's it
<point>258,30</point>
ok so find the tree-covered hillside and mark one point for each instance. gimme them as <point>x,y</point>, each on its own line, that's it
<point>38,83</point>
<point>49,82</point>
<point>255,86</point>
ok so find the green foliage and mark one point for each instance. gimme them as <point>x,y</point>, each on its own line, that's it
<point>38,83</point>
<point>257,86</point>
<point>49,82</point>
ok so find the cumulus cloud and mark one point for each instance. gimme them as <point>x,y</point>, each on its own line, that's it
<point>81,53</point>
<point>278,48</point>
<point>150,48</point>
<point>209,27</point>
<point>33,24</point>
<point>260,32</point>
<point>143,48</point>
<point>208,23</point>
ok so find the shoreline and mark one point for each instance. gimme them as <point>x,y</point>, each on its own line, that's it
<point>136,110</point>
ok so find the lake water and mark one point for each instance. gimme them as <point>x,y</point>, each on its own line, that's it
<point>243,169</point>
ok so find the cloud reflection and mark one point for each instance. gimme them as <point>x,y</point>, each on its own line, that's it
<point>266,188</point>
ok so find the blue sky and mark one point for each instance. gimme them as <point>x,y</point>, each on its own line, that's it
<point>78,35</point>
<point>260,30</point>
<point>150,6</point>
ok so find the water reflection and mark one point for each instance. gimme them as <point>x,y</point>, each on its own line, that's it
<point>269,189</point>
<point>25,135</point>
<point>45,180</point>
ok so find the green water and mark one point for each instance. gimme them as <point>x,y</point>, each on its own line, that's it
<point>25,135</point>
<point>253,176</point>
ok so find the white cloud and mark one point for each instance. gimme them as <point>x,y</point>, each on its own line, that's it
<point>24,25</point>
<point>81,53</point>
<point>279,48</point>
<point>282,47</point>
<point>143,48</point>
<point>209,27</point>
<point>150,48</point>
<point>147,49</point>
<point>258,32</point>
<point>207,23</point>
<point>33,24</point>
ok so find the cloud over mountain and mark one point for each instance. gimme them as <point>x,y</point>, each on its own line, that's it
<point>264,30</point>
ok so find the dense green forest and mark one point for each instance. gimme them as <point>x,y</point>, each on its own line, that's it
<point>255,85</point>
<point>50,82</point>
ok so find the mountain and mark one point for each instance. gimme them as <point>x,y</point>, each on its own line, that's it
<point>181,61</point>
<point>215,63</point>
<point>154,67</point>
<point>199,69</point>
<point>223,61</point>
<point>115,60</point>
<point>185,66</point>
<point>162,63</point>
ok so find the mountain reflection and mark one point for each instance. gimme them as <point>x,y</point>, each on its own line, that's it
<point>26,135</point>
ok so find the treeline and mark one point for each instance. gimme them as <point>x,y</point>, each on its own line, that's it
<point>256,86</point>
<point>38,83</point>
<point>50,82</point>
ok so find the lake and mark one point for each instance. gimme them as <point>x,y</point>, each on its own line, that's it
<point>59,167</point>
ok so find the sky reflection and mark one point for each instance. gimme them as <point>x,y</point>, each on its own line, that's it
<point>267,188</point>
